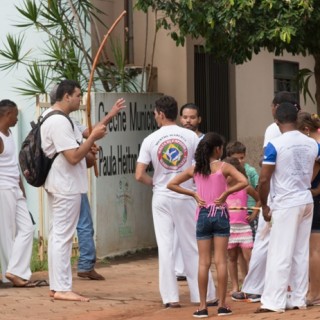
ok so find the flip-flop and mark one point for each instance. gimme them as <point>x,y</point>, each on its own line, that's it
<point>170,305</point>
<point>36,283</point>
<point>263,310</point>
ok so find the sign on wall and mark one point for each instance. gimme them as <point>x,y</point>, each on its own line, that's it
<point>121,206</point>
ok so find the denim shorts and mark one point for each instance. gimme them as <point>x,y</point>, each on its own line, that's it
<point>213,226</point>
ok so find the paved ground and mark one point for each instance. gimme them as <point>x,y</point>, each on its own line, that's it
<point>129,292</point>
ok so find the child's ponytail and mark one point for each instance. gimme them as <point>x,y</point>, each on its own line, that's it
<point>205,150</point>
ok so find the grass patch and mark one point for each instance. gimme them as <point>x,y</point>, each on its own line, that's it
<point>37,265</point>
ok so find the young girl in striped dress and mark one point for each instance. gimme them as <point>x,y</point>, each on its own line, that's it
<point>240,230</point>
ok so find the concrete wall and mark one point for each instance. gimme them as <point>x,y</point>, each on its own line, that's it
<point>254,91</point>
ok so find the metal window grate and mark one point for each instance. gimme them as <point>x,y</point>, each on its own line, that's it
<point>285,77</point>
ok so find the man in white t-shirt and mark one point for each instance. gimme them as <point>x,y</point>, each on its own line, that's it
<point>285,177</point>
<point>171,150</point>
<point>253,284</point>
<point>85,230</point>
<point>66,181</point>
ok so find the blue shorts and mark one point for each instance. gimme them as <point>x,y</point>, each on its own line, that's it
<point>213,226</point>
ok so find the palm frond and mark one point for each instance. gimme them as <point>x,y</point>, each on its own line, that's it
<point>303,78</point>
<point>30,11</point>
<point>37,81</point>
<point>12,52</point>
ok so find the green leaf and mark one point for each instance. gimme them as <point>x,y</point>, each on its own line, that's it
<point>36,84</point>
<point>303,79</point>
<point>30,11</point>
<point>13,52</point>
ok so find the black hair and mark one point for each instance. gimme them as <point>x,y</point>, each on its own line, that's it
<point>168,105</point>
<point>205,150</point>
<point>6,104</point>
<point>190,106</point>
<point>286,113</point>
<point>66,86</point>
<point>285,96</point>
<point>236,163</point>
<point>235,147</point>
<point>306,119</point>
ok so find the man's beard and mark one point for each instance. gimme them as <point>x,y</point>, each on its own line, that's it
<point>190,127</point>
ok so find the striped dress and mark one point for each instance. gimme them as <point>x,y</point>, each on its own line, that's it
<point>240,230</point>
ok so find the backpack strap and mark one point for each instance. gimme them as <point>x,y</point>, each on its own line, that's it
<point>51,113</point>
<point>42,118</point>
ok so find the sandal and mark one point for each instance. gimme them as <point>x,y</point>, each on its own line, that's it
<point>263,310</point>
<point>36,283</point>
<point>171,305</point>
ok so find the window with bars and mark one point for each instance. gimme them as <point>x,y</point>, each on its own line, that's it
<point>285,77</point>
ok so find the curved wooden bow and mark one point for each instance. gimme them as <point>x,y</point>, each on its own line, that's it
<point>94,65</point>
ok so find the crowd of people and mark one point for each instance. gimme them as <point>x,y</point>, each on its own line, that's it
<point>266,224</point>
<point>277,275</point>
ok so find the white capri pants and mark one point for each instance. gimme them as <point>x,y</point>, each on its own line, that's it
<point>16,234</point>
<point>254,280</point>
<point>170,214</point>
<point>288,258</point>
<point>64,213</point>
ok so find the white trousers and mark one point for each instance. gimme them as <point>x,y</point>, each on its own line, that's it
<point>179,266</point>
<point>254,280</point>
<point>16,234</point>
<point>288,258</point>
<point>64,213</point>
<point>171,214</point>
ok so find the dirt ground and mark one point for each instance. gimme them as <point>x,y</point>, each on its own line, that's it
<point>130,291</point>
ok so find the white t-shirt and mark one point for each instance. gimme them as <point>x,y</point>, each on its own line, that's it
<point>171,150</point>
<point>272,132</point>
<point>9,168</point>
<point>293,155</point>
<point>58,135</point>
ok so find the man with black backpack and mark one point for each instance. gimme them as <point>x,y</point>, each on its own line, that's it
<point>16,224</point>
<point>85,230</point>
<point>66,181</point>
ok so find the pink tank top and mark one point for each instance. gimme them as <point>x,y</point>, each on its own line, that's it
<point>238,199</point>
<point>210,188</point>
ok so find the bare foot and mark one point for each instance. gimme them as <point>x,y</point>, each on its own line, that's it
<point>17,281</point>
<point>51,293</point>
<point>69,296</point>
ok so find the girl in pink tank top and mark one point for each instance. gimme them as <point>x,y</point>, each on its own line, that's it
<point>213,228</point>
<point>241,239</point>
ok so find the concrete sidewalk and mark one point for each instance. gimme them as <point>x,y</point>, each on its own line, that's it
<point>129,292</point>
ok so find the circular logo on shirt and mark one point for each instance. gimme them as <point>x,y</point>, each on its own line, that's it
<point>172,154</point>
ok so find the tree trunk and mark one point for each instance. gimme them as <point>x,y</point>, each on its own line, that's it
<point>317,78</point>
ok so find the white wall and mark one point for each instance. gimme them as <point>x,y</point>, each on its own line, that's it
<point>9,80</point>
